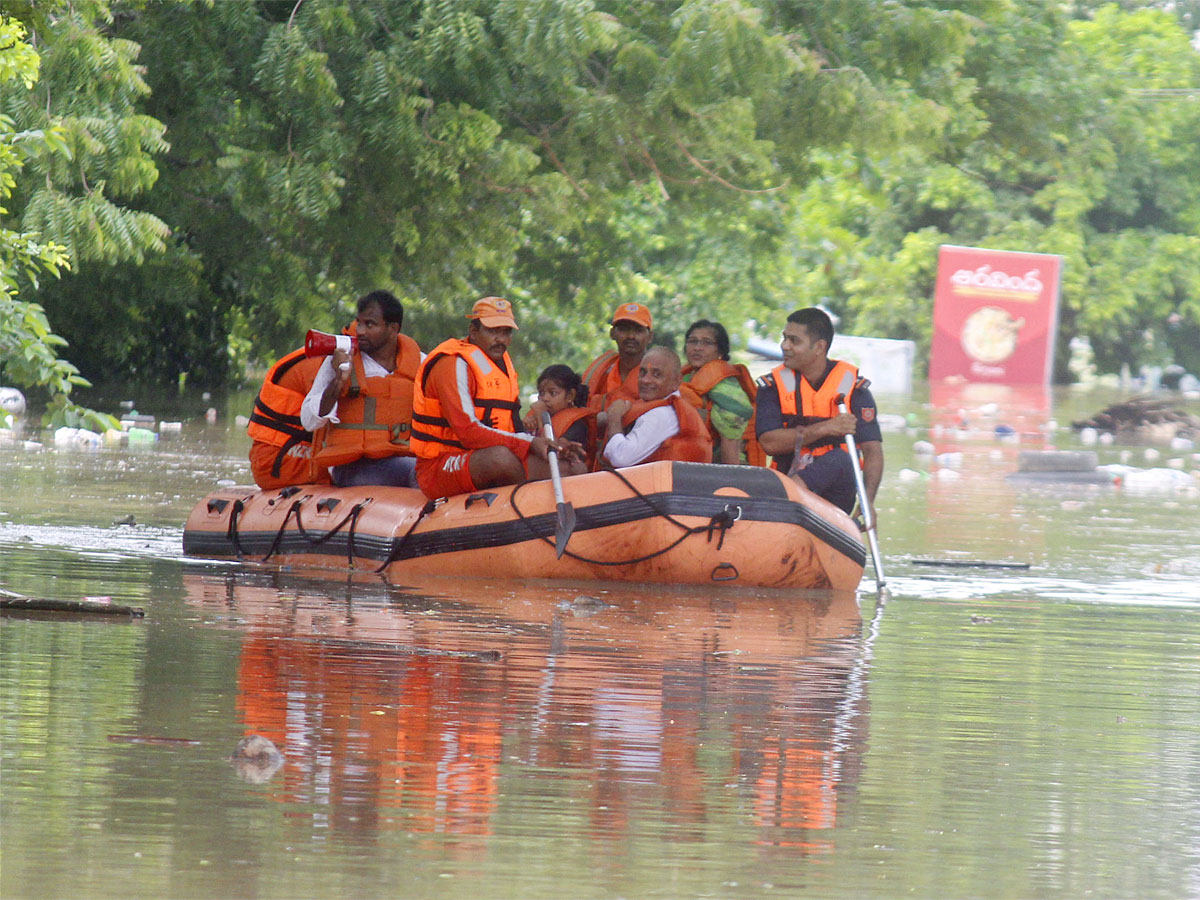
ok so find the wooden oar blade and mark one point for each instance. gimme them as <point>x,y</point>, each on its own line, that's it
<point>566,525</point>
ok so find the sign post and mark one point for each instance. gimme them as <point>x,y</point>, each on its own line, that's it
<point>995,316</point>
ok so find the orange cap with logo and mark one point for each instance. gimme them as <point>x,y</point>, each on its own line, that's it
<point>633,312</point>
<point>493,312</point>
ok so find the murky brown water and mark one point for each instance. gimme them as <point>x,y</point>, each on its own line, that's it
<point>986,732</point>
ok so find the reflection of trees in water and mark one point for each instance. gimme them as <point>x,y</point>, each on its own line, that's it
<point>688,710</point>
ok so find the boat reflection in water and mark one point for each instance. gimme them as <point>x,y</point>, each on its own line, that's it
<point>432,708</point>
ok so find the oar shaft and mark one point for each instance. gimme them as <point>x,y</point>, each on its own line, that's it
<point>564,510</point>
<point>868,512</point>
<point>552,457</point>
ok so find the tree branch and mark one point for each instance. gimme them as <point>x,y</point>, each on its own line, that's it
<point>295,9</point>
<point>717,178</point>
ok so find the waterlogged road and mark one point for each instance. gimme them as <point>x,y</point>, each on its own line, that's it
<point>989,731</point>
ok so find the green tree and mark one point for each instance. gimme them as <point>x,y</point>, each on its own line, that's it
<point>566,153</point>
<point>28,346</point>
<point>1062,136</point>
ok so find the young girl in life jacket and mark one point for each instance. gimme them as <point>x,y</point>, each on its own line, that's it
<point>562,393</point>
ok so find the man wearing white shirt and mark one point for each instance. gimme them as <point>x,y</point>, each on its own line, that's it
<point>360,404</point>
<point>661,425</point>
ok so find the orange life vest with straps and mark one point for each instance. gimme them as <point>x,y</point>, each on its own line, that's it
<point>707,377</point>
<point>691,444</point>
<point>275,419</point>
<point>375,412</point>
<point>495,398</point>
<point>568,416</point>
<point>596,378</point>
<point>814,403</point>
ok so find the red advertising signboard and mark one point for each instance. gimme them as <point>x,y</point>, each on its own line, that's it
<point>995,315</point>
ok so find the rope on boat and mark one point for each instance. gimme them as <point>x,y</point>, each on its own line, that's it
<point>397,546</point>
<point>719,523</point>
<point>294,510</point>
<point>231,532</point>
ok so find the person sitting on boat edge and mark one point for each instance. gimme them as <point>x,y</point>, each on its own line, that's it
<point>562,393</point>
<point>725,393</point>
<point>466,428</point>
<point>662,425</point>
<point>798,421</point>
<point>281,447</point>
<point>613,375</point>
<point>360,405</point>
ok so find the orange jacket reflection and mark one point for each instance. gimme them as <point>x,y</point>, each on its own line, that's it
<point>372,734</point>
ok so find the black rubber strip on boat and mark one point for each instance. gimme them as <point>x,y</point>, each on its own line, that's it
<point>601,515</point>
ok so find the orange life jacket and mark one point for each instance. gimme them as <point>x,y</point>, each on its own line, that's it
<point>595,377</point>
<point>815,404</point>
<point>568,416</point>
<point>691,444</point>
<point>275,419</point>
<point>375,413</point>
<point>707,377</point>
<point>495,398</point>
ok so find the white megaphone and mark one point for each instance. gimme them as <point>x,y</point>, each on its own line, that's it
<point>318,343</point>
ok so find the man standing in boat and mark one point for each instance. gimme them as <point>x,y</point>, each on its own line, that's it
<point>466,431</point>
<point>798,421</point>
<point>661,425</point>
<point>613,375</point>
<point>360,405</point>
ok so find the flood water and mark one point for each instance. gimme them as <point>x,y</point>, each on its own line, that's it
<point>1025,730</point>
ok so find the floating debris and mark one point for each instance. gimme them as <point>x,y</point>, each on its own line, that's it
<point>1142,419</point>
<point>88,605</point>
<point>1076,466</point>
<point>12,401</point>
<point>256,759</point>
<point>970,564</point>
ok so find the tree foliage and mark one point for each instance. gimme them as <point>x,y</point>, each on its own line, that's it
<point>1069,136</point>
<point>28,346</point>
<point>720,158</point>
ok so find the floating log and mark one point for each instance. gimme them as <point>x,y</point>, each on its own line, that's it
<point>970,564</point>
<point>410,649</point>
<point>154,739</point>
<point>10,603</point>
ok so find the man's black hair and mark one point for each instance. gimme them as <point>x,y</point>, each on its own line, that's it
<point>816,322</point>
<point>389,306</point>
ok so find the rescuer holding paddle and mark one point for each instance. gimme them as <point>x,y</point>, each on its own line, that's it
<point>797,415</point>
<point>466,428</point>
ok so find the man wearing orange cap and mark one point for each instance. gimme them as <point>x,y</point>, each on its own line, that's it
<point>466,424</point>
<point>614,375</point>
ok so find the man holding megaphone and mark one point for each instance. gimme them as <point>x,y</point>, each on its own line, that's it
<point>360,405</point>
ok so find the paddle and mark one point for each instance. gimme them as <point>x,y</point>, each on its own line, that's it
<point>566,512</point>
<point>863,501</point>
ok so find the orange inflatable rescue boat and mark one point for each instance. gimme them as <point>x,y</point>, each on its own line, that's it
<point>664,522</point>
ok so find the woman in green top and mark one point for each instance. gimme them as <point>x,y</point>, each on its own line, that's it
<point>725,391</point>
